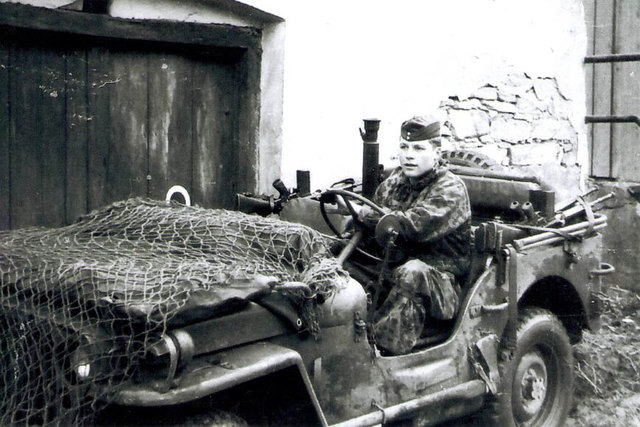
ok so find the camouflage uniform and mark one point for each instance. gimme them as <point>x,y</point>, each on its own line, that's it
<point>435,219</point>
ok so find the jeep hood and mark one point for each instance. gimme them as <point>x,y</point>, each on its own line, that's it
<point>161,265</point>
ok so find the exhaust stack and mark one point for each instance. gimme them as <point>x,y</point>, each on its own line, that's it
<point>370,157</point>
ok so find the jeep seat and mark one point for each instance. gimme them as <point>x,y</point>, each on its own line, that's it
<point>492,193</point>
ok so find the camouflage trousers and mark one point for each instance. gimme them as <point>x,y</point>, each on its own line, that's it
<point>419,289</point>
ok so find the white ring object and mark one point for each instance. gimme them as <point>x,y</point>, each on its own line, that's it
<point>179,189</point>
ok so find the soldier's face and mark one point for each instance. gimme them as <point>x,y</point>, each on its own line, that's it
<point>417,157</point>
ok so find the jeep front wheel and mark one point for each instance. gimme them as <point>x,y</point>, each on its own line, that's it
<point>537,376</point>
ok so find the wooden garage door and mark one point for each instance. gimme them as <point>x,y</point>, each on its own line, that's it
<point>85,121</point>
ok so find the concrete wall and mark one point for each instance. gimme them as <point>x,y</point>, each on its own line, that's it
<point>612,89</point>
<point>346,61</point>
<point>622,236</point>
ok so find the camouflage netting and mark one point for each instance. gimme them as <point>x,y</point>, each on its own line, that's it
<point>118,279</point>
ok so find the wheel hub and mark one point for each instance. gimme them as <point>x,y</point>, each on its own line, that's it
<point>530,386</point>
<point>533,386</point>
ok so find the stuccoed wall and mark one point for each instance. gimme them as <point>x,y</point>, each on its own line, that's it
<point>349,60</point>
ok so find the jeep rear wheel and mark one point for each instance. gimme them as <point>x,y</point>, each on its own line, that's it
<point>537,377</point>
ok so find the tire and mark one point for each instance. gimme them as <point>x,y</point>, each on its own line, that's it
<point>469,159</point>
<point>537,376</point>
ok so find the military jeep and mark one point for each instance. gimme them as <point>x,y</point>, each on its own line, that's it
<point>248,354</point>
<point>532,289</point>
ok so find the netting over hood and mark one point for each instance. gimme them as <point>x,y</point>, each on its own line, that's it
<point>123,275</point>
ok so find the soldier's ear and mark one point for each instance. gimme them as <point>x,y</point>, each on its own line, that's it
<point>436,142</point>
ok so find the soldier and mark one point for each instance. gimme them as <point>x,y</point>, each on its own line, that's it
<point>427,208</point>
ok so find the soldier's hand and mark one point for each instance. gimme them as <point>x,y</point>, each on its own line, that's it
<point>368,217</point>
<point>388,229</point>
<point>365,212</point>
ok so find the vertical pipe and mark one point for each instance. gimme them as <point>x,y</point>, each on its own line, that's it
<point>612,106</point>
<point>592,110</point>
<point>370,157</point>
<point>543,201</point>
<point>303,182</point>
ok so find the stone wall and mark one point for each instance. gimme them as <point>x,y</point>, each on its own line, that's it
<point>521,123</point>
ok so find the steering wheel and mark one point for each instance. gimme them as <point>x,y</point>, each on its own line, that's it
<point>373,287</point>
<point>345,195</point>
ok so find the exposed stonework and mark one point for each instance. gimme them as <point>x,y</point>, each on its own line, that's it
<point>520,122</point>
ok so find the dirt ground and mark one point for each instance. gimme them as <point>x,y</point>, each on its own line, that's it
<point>608,366</point>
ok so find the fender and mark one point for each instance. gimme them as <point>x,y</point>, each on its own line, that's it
<point>551,264</point>
<point>230,368</point>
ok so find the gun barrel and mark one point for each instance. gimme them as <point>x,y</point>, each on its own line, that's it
<point>248,204</point>
<point>576,210</point>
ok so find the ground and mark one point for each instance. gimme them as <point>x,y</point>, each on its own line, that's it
<point>608,366</point>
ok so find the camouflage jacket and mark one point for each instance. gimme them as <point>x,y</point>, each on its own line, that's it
<point>435,215</point>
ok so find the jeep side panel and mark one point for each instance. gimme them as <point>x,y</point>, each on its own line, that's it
<point>561,279</point>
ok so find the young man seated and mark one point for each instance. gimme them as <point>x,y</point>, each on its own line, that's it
<point>429,212</point>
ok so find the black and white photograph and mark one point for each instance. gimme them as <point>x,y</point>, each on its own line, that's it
<point>338,213</point>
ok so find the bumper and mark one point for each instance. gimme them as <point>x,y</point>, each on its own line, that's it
<point>206,376</point>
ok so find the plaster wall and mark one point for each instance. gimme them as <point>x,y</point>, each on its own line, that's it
<point>346,61</point>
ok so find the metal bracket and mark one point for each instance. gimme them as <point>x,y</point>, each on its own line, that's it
<point>510,333</point>
<point>502,261</point>
<point>360,327</point>
<point>164,346</point>
<point>571,253</point>
<point>484,358</point>
<point>382,410</point>
<point>605,269</point>
<point>613,119</point>
<point>480,309</point>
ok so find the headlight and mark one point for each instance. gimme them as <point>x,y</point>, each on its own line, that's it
<point>89,358</point>
<point>81,364</point>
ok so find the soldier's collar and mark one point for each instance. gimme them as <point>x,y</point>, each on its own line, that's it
<point>419,183</point>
